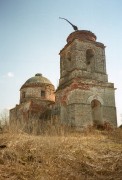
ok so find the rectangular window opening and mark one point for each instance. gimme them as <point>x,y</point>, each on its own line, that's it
<point>42,93</point>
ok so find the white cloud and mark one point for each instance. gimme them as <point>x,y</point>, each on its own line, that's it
<point>10,74</point>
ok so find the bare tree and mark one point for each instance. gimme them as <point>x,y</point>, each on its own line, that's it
<point>4,118</point>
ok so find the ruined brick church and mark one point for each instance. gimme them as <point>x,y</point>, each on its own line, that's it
<point>84,95</point>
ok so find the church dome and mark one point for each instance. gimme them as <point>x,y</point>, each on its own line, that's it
<point>37,80</point>
<point>37,88</point>
<point>82,35</point>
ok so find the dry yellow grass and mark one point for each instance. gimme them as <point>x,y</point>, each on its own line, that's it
<point>88,155</point>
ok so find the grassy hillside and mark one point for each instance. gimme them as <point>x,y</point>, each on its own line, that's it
<point>88,155</point>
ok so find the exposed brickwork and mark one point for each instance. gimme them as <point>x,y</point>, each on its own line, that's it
<point>84,96</point>
<point>33,103</point>
<point>82,35</point>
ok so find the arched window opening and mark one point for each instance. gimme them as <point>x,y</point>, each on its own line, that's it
<point>69,56</point>
<point>89,55</point>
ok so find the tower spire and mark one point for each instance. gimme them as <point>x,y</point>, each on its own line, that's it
<point>74,27</point>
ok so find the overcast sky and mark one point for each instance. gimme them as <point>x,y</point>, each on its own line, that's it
<point>31,36</point>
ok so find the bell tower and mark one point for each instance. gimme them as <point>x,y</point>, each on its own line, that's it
<point>84,94</point>
<point>82,57</point>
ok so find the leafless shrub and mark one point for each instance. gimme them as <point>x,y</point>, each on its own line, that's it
<point>4,121</point>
